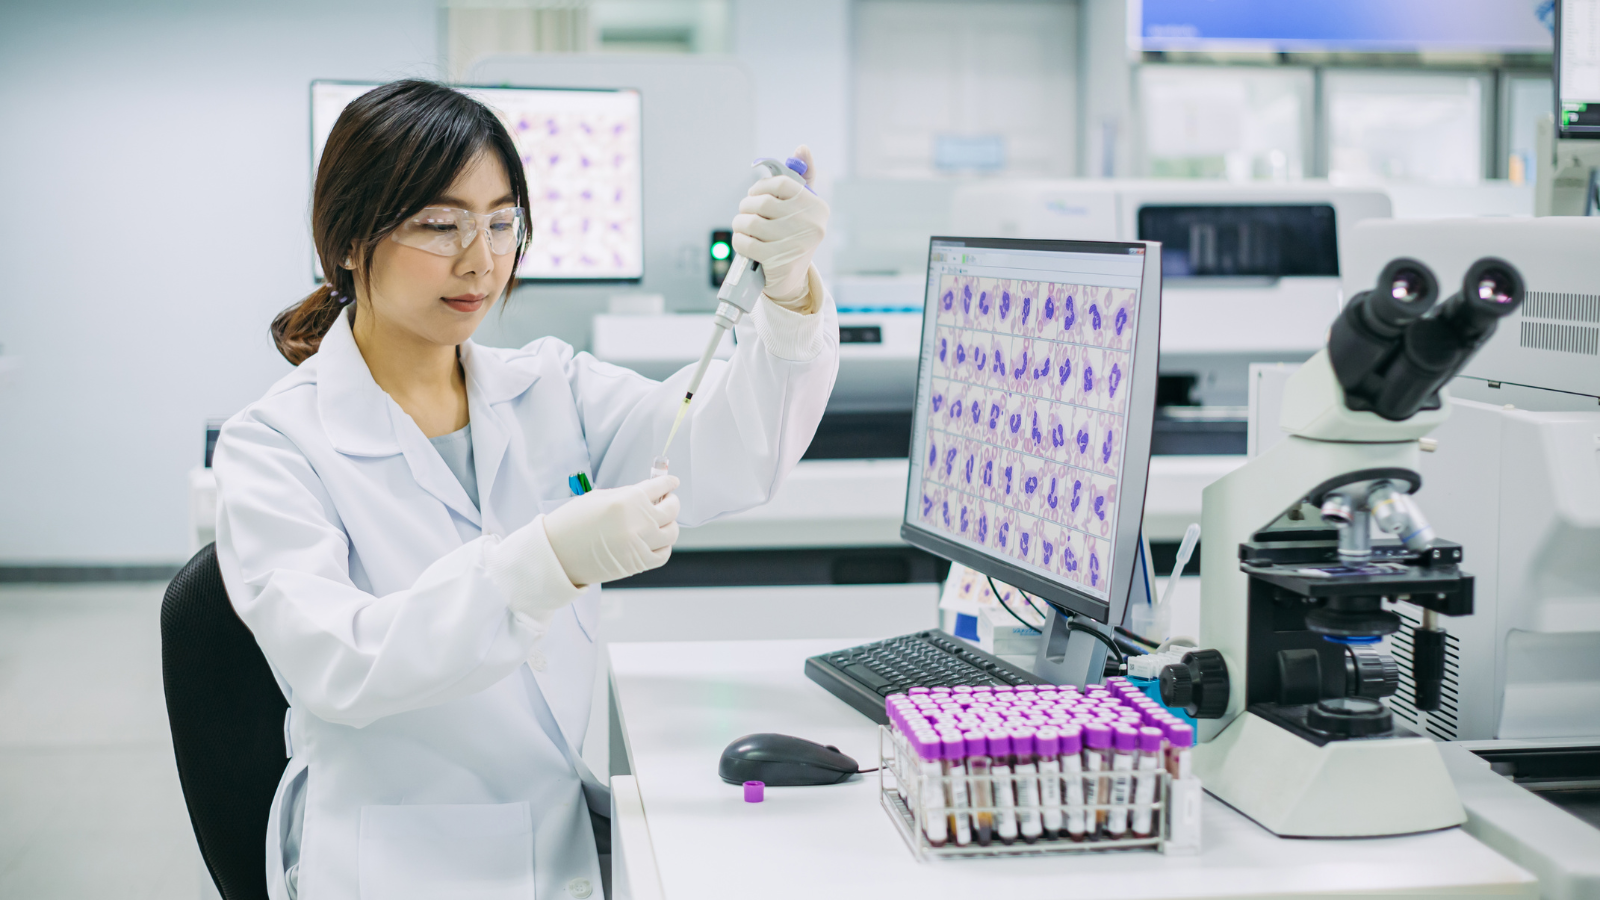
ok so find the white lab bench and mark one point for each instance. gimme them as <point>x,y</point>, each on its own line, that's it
<point>681,832</point>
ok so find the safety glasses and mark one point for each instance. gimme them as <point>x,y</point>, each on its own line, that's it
<point>447,232</point>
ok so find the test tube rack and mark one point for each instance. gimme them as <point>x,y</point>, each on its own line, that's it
<point>905,795</point>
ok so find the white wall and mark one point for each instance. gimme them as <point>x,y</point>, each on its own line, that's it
<point>156,169</point>
<point>799,57</point>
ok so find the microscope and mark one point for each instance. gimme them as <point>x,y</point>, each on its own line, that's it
<point>1305,552</point>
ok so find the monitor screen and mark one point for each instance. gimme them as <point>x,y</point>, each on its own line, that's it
<point>581,152</point>
<point>1578,68</point>
<point>1035,399</point>
<point>1350,25</point>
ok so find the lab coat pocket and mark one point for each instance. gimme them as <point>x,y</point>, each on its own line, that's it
<point>474,851</point>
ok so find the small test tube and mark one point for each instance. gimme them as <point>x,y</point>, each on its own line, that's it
<point>1005,799</point>
<point>658,467</point>
<point>1077,818</point>
<point>1047,745</point>
<point>1124,750</point>
<point>1096,762</point>
<point>1180,738</point>
<point>955,750</point>
<point>930,790</point>
<point>1144,791</point>
<point>1024,746</point>
<point>982,791</point>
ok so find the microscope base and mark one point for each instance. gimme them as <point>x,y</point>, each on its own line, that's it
<point>1355,788</point>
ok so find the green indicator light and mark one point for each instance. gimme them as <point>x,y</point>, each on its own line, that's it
<point>721,250</point>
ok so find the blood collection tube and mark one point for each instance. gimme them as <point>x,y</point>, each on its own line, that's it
<point>1024,747</point>
<point>1096,760</point>
<point>1180,738</point>
<point>1124,749</point>
<point>1071,758</point>
<point>1047,745</point>
<point>1144,791</point>
<point>982,795</point>
<point>955,781</point>
<point>930,790</point>
<point>1005,800</point>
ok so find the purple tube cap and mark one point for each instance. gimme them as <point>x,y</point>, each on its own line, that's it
<point>917,690</point>
<point>755,791</point>
<point>1047,742</point>
<point>1180,735</point>
<point>954,746</point>
<point>1150,739</point>
<point>1097,735</point>
<point>1125,738</point>
<point>999,743</point>
<point>1023,741</point>
<point>1071,740</point>
<point>977,743</point>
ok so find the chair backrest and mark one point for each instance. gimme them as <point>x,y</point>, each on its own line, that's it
<point>226,714</point>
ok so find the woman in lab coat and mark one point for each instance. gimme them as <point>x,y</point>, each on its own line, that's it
<point>397,527</point>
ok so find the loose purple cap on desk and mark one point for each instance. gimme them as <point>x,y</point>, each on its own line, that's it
<point>1071,740</point>
<point>1097,735</point>
<point>1150,739</point>
<point>1180,735</point>
<point>1125,738</point>
<point>755,791</point>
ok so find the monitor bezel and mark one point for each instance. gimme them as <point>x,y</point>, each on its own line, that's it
<point>1585,133</point>
<point>311,138</point>
<point>1136,457</point>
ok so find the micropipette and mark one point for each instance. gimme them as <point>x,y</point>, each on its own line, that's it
<point>737,296</point>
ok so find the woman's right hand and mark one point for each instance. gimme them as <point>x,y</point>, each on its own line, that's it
<point>612,533</point>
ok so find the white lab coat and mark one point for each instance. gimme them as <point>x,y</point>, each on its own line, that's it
<point>435,715</point>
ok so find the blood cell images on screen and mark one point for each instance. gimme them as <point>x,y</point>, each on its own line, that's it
<point>1026,420</point>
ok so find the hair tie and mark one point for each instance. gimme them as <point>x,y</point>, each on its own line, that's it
<point>340,298</point>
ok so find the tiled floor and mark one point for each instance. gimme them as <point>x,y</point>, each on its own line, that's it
<point>89,800</point>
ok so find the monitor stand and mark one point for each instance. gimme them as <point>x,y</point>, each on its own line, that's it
<point>1068,656</point>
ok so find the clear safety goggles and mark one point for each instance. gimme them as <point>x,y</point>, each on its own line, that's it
<point>447,232</point>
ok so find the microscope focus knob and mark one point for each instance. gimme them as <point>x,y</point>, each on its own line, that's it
<point>1199,684</point>
<point>1369,673</point>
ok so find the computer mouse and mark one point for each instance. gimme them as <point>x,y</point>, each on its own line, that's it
<point>783,761</point>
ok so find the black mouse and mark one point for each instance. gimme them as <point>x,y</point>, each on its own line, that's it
<point>783,761</point>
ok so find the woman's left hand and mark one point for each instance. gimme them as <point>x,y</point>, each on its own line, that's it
<point>780,224</point>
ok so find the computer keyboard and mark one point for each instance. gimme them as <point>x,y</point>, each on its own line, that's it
<point>862,676</point>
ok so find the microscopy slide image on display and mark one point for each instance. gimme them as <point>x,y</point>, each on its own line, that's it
<point>1028,410</point>
<point>582,165</point>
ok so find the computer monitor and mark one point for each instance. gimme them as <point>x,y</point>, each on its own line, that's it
<point>581,150</point>
<point>1035,403</point>
<point>1577,68</point>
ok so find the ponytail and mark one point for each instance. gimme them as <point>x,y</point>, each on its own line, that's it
<point>298,330</point>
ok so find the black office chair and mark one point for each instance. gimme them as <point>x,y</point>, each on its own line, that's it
<point>226,713</point>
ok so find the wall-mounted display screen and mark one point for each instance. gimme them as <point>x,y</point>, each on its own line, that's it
<point>581,151</point>
<point>1364,25</point>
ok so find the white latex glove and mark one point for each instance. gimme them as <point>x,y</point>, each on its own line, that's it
<point>615,532</point>
<point>780,224</point>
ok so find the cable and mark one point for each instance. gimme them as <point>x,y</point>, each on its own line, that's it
<point>1135,637</point>
<point>1007,607</point>
<point>1095,633</point>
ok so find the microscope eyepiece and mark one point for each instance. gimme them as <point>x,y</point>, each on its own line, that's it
<point>1367,334</point>
<point>1435,348</point>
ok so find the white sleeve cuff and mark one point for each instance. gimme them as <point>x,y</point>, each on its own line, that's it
<point>525,566</point>
<point>794,336</point>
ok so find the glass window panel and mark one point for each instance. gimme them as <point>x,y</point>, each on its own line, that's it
<point>1219,122</point>
<point>1423,128</point>
<point>1528,100</point>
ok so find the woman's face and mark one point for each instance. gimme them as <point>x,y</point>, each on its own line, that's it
<point>441,299</point>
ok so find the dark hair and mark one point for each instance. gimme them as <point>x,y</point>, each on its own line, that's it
<point>393,151</point>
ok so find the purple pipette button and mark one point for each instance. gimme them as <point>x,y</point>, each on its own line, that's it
<point>755,791</point>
